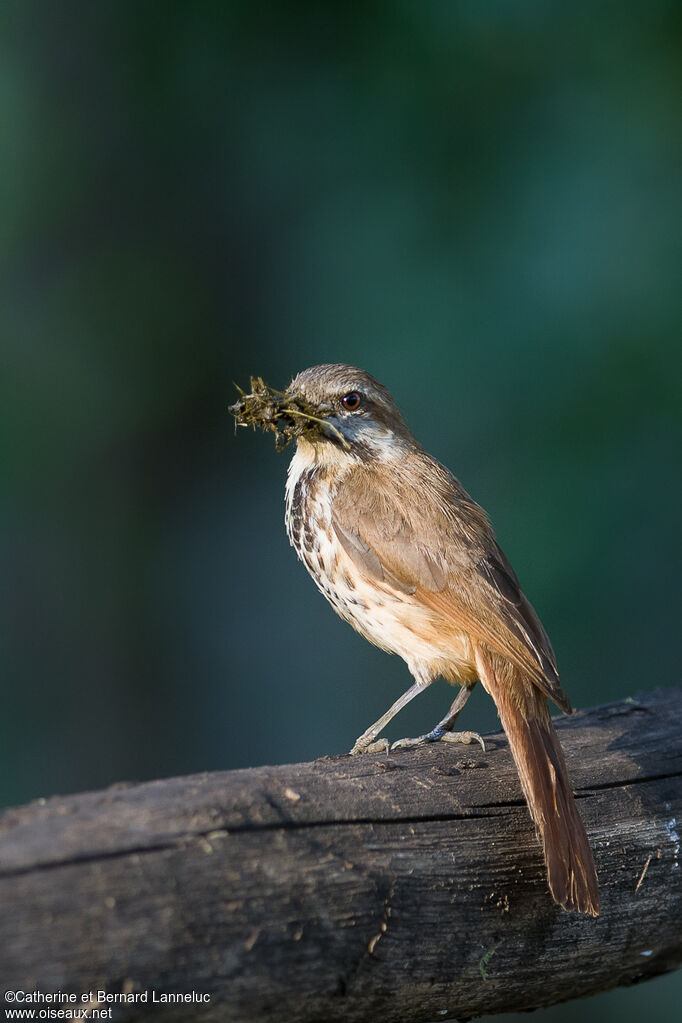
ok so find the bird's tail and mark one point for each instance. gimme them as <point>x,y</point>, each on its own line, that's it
<point>540,762</point>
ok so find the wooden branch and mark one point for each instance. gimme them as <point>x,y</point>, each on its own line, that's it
<point>402,887</point>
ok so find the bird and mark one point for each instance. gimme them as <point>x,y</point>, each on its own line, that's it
<point>405,555</point>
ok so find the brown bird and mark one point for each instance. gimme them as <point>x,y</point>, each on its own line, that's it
<point>404,555</point>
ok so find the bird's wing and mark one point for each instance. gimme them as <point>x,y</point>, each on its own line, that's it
<point>437,544</point>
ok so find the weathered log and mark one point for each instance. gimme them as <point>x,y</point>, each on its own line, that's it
<point>400,887</point>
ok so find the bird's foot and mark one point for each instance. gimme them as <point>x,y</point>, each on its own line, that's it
<point>439,735</point>
<point>370,744</point>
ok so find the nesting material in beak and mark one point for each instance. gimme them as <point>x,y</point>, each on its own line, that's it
<point>286,415</point>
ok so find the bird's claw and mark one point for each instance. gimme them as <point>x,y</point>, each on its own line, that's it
<point>363,745</point>
<point>451,737</point>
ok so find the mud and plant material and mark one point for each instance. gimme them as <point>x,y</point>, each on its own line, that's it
<point>287,416</point>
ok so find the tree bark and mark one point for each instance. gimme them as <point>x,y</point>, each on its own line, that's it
<point>401,887</point>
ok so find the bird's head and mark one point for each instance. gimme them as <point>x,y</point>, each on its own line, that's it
<point>353,413</point>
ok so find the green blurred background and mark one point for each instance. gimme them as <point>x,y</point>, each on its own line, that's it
<point>477,202</point>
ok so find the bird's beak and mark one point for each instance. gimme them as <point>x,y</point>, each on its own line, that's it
<point>333,427</point>
<point>286,414</point>
<point>317,419</point>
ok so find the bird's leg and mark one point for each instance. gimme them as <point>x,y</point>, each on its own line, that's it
<point>443,730</point>
<point>368,742</point>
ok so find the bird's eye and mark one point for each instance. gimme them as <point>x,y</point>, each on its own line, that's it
<point>352,401</point>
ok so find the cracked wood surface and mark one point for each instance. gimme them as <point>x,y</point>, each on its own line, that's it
<point>407,887</point>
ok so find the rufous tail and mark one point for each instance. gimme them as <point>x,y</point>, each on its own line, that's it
<point>540,762</point>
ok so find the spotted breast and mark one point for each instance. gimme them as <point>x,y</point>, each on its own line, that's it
<point>381,612</point>
<point>309,494</point>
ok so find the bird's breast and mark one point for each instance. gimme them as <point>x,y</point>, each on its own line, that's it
<point>310,493</point>
<point>389,618</point>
